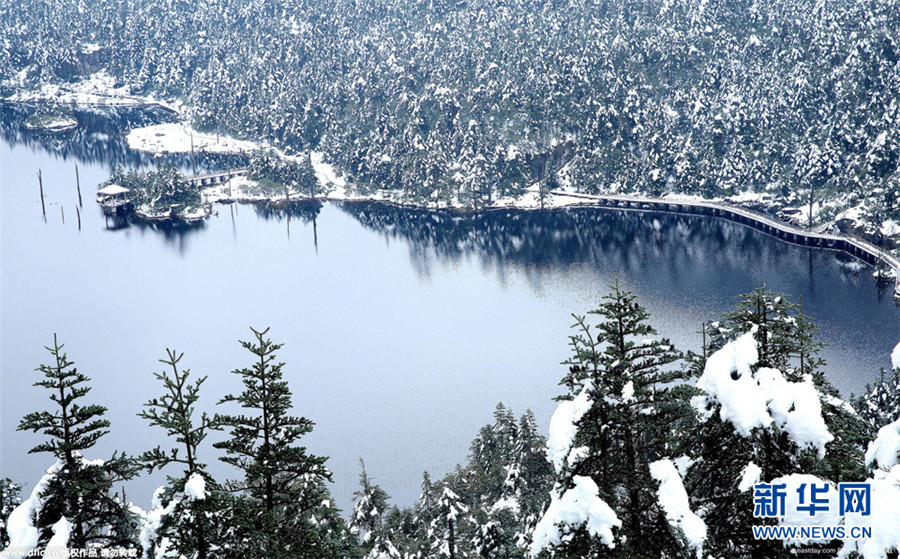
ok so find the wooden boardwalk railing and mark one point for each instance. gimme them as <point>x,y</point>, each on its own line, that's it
<point>208,179</point>
<point>855,246</point>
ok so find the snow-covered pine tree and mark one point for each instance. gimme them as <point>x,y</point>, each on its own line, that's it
<point>529,476</point>
<point>506,516</point>
<point>785,340</point>
<point>369,508</point>
<point>398,536</point>
<point>425,513</point>
<point>10,498</point>
<point>190,506</point>
<point>79,490</point>
<point>803,427</point>
<point>450,514</point>
<point>284,484</point>
<point>615,419</point>
<point>489,455</point>
<point>784,335</point>
<point>880,404</point>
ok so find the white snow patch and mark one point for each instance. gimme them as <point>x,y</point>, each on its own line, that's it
<point>23,535</point>
<point>195,488</point>
<point>176,137</point>
<point>796,408</point>
<point>509,503</point>
<point>890,228</point>
<point>563,428</point>
<point>97,90</point>
<point>749,477</point>
<point>895,357</point>
<point>60,539</point>
<point>578,506</point>
<point>152,522</point>
<point>674,500</point>
<point>683,463</point>
<point>628,392</point>
<point>884,450</point>
<point>324,171</point>
<point>740,398</point>
<point>762,399</point>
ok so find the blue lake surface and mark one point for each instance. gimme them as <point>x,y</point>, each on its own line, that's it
<point>402,329</point>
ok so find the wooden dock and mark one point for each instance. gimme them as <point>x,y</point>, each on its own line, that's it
<point>865,251</point>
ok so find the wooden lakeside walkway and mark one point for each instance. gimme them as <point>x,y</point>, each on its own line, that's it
<point>864,250</point>
<point>218,177</point>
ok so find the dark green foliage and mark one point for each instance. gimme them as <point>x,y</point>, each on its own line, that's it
<point>277,175</point>
<point>369,509</point>
<point>319,533</point>
<point>193,525</point>
<point>196,528</point>
<point>80,490</point>
<point>174,411</point>
<point>634,411</point>
<point>880,404</point>
<point>9,499</point>
<point>284,484</point>
<point>73,427</point>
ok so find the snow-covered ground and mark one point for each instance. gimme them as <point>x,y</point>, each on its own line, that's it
<point>55,124</point>
<point>98,89</point>
<point>177,137</point>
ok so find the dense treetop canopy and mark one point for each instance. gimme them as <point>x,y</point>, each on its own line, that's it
<point>480,98</point>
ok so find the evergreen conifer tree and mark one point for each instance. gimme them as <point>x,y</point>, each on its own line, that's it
<point>369,509</point>
<point>529,476</point>
<point>490,454</point>
<point>880,404</point>
<point>284,483</point>
<point>9,499</point>
<point>785,341</point>
<point>81,490</point>
<point>784,335</point>
<point>627,378</point>
<point>446,526</point>
<point>187,525</point>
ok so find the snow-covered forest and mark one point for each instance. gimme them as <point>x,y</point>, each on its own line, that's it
<point>651,452</point>
<point>477,99</point>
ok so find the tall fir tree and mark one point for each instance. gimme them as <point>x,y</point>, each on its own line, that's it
<point>627,379</point>
<point>189,523</point>
<point>285,484</point>
<point>81,490</point>
<point>784,340</point>
<point>369,508</point>
<point>529,476</point>
<point>448,523</point>
<point>785,336</point>
<point>880,404</point>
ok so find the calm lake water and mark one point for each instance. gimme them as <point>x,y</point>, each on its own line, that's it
<point>402,330</point>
